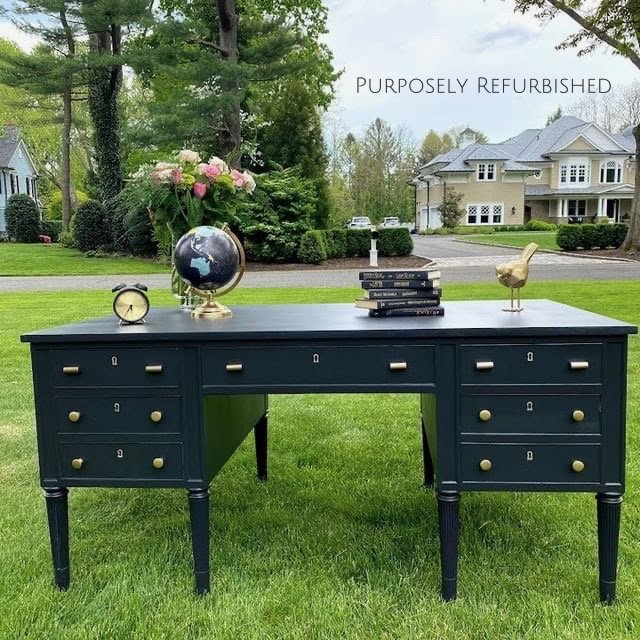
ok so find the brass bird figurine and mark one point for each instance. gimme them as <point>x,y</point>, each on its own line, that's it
<point>513,274</point>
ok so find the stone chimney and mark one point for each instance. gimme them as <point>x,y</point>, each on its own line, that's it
<point>11,132</point>
<point>467,137</point>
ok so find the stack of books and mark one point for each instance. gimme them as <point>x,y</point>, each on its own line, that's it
<point>398,292</point>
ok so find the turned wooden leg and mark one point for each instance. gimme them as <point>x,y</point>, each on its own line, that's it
<point>260,432</point>
<point>58,516</point>
<point>199,512</point>
<point>448,508</point>
<point>427,460</point>
<point>609,506</point>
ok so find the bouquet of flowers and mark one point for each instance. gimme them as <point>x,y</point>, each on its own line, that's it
<point>188,192</point>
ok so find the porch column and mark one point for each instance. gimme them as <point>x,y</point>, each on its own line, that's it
<point>560,208</point>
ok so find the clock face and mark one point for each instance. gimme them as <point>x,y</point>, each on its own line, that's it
<point>131,305</point>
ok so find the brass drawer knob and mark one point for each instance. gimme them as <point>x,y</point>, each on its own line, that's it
<point>577,466</point>
<point>577,365</point>
<point>156,416</point>
<point>77,463</point>
<point>485,465</point>
<point>71,371</point>
<point>158,463</point>
<point>485,415</point>
<point>233,367</point>
<point>153,368</point>
<point>484,366</point>
<point>398,366</point>
<point>74,416</point>
<point>578,415</point>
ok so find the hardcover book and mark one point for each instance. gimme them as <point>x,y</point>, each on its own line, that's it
<point>401,294</point>
<point>402,303</point>
<point>399,284</point>
<point>383,313</point>
<point>398,274</point>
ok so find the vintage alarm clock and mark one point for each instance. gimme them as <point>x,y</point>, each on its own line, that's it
<point>131,303</point>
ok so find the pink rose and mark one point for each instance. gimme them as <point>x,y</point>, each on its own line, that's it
<point>211,171</point>
<point>176,176</point>
<point>238,178</point>
<point>200,190</point>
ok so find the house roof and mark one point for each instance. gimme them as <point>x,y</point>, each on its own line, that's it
<point>8,144</point>
<point>533,146</point>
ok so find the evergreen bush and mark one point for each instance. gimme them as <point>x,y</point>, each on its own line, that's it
<point>53,209</point>
<point>66,239</point>
<point>22,218</point>
<point>618,234</point>
<point>336,243</point>
<point>395,242</point>
<point>568,237</point>
<point>139,232</point>
<point>540,225</point>
<point>51,228</point>
<point>90,231</point>
<point>589,236</point>
<point>313,249</point>
<point>358,242</point>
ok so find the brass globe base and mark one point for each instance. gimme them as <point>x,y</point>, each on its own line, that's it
<point>211,310</point>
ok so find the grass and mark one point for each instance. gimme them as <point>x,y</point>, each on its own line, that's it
<point>56,260</point>
<point>544,239</point>
<point>340,543</point>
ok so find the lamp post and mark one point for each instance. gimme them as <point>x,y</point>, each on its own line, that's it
<point>373,252</point>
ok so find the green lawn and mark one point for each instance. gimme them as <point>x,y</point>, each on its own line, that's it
<point>544,239</point>
<point>56,260</point>
<point>340,543</point>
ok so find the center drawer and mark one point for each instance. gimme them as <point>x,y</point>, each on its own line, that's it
<point>531,363</point>
<point>85,414</point>
<point>327,365</point>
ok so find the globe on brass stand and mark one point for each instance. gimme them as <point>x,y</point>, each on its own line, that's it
<point>212,261</point>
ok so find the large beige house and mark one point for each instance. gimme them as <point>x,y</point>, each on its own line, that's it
<point>571,170</point>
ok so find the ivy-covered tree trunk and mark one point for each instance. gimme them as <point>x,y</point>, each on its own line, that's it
<point>632,241</point>
<point>65,185</point>
<point>105,81</point>
<point>230,133</point>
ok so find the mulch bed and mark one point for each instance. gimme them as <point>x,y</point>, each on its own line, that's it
<point>343,263</point>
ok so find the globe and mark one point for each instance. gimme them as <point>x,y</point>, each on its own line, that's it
<point>207,258</point>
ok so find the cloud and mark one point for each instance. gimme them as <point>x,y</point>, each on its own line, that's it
<point>506,37</point>
<point>9,31</point>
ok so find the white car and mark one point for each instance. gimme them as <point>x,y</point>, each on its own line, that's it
<point>359,222</point>
<point>390,221</point>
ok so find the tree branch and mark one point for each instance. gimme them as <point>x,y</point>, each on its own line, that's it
<point>207,45</point>
<point>601,34</point>
<point>71,44</point>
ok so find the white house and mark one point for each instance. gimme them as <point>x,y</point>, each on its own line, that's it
<point>17,171</point>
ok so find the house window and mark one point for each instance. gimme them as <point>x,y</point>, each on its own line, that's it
<point>26,182</point>
<point>486,172</point>
<point>611,172</point>
<point>574,173</point>
<point>576,208</point>
<point>490,213</point>
<point>15,186</point>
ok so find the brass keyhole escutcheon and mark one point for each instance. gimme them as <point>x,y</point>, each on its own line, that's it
<point>316,358</point>
<point>485,465</point>
<point>578,415</point>
<point>158,463</point>
<point>77,463</point>
<point>577,466</point>
<point>485,415</point>
<point>114,361</point>
<point>156,416</point>
<point>74,416</point>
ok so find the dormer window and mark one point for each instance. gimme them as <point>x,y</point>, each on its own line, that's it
<point>611,172</point>
<point>486,172</point>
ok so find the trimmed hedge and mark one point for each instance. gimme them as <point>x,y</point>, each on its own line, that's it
<point>51,228</point>
<point>336,241</point>
<point>358,243</point>
<point>540,225</point>
<point>313,248</point>
<point>22,218</point>
<point>90,231</point>
<point>588,236</point>
<point>394,242</point>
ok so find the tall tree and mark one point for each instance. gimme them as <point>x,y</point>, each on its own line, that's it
<point>615,23</point>
<point>556,115</point>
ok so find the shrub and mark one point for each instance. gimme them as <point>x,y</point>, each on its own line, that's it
<point>358,242</point>
<point>51,228</point>
<point>336,243</point>
<point>618,234</point>
<point>53,209</point>
<point>540,225</point>
<point>313,249</point>
<point>441,231</point>
<point>568,237</point>
<point>66,239</point>
<point>22,218</point>
<point>395,242</point>
<point>468,231</point>
<point>139,231</point>
<point>589,236</point>
<point>90,230</point>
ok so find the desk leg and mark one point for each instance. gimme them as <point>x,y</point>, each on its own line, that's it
<point>448,508</point>
<point>58,516</point>
<point>199,512</point>
<point>609,506</point>
<point>260,432</point>
<point>427,459</point>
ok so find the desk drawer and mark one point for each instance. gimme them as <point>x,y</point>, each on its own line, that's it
<point>116,460</point>
<point>530,413</point>
<point>534,463</point>
<point>327,365</point>
<point>117,367</point>
<point>117,414</point>
<point>531,364</point>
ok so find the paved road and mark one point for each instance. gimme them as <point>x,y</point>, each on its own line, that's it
<point>458,261</point>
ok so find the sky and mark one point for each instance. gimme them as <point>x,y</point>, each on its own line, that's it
<point>457,41</point>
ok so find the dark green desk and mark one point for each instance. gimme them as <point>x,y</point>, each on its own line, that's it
<point>531,401</point>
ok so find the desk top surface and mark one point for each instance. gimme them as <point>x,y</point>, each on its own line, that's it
<point>469,319</point>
